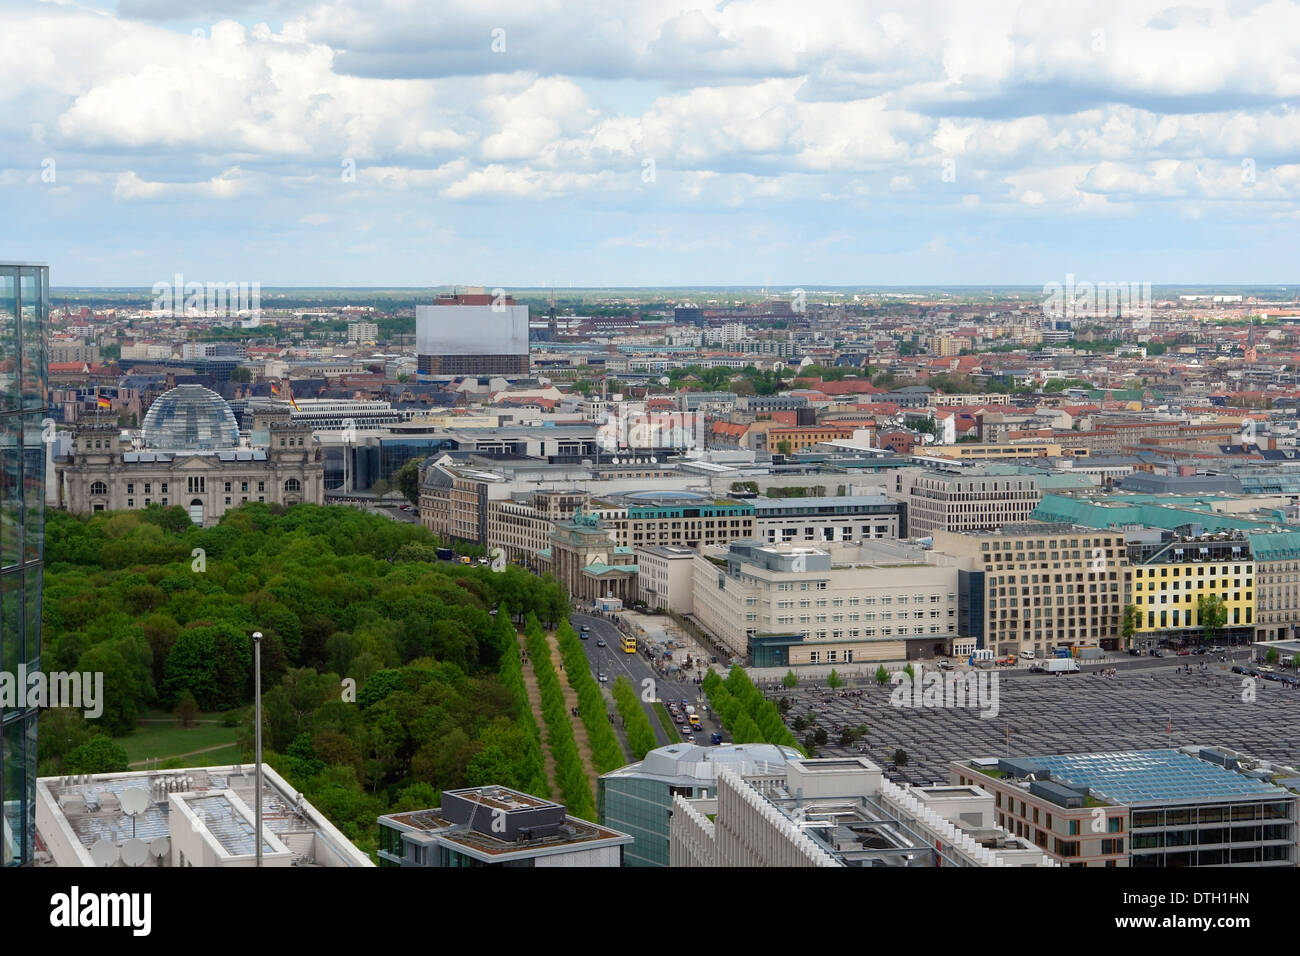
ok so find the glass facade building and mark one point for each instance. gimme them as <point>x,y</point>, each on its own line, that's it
<point>24,319</point>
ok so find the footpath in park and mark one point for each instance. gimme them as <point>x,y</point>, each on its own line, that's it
<point>571,702</point>
<point>535,702</point>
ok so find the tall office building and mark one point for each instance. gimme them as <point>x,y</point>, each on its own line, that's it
<point>472,334</point>
<point>24,320</point>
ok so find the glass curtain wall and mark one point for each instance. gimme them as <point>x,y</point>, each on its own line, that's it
<point>24,319</point>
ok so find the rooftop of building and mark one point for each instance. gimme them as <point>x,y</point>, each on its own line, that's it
<point>1139,778</point>
<point>1115,511</point>
<point>668,551</point>
<point>692,764</point>
<point>840,501</point>
<point>496,823</point>
<point>1024,529</point>
<point>128,817</point>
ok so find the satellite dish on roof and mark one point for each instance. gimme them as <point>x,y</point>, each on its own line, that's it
<point>160,846</point>
<point>104,852</point>
<point>135,852</point>
<point>135,801</point>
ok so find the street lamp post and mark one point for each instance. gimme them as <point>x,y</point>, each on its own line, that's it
<point>257,736</point>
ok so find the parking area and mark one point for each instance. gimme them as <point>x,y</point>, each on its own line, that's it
<point>1134,709</point>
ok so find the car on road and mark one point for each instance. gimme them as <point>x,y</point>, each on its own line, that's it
<point>1218,649</point>
<point>1157,652</point>
<point>1238,669</point>
<point>1134,652</point>
<point>585,628</point>
<point>716,738</point>
<point>600,642</point>
<point>945,664</point>
<point>584,634</point>
<point>602,678</point>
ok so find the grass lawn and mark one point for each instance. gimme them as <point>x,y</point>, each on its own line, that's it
<point>212,758</point>
<point>666,720</point>
<point>169,739</point>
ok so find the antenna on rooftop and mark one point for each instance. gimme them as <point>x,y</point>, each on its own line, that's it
<point>135,800</point>
<point>104,852</point>
<point>135,852</point>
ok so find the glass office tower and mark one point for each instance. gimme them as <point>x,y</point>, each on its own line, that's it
<point>24,319</point>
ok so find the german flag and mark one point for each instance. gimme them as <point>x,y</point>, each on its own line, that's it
<point>275,389</point>
<point>102,402</point>
<point>293,403</point>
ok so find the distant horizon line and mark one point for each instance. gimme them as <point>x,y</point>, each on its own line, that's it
<point>1280,286</point>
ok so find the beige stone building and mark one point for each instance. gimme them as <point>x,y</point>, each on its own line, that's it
<point>523,527</point>
<point>787,605</point>
<point>674,518</point>
<point>587,563</point>
<point>188,454</point>
<point>1045,586</point>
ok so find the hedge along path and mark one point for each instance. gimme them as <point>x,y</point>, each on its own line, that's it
<point>535,702</point>
<point>571,701</point>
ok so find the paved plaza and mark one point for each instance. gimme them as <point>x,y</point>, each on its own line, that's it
<point>1047,714</point>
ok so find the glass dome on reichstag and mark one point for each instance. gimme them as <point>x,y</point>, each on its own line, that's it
<point>190,417</point>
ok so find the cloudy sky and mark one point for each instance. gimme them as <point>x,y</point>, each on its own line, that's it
<point>661,142</point>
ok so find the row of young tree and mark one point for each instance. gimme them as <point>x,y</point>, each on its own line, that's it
<point>606,751</point>
<point>512,677</point>
<point>636,723</point>
<point>386,678</point>
<point>745,712</point>
<point>570,773</point>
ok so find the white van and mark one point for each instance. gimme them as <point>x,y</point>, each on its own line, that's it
<point>1027,655</point>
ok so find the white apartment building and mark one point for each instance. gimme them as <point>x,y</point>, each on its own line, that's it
<point>363,331</point>
<point>787,605</point>
<point>664,577</point>
<point>146,350</point>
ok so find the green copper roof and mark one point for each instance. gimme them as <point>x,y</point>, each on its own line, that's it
<point>1275,545</point>
<point>1116,512</point>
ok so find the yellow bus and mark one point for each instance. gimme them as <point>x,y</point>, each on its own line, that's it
<point>629,645</point>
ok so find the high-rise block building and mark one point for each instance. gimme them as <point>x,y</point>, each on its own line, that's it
<point>474,334</point>
<point>24,322</point>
